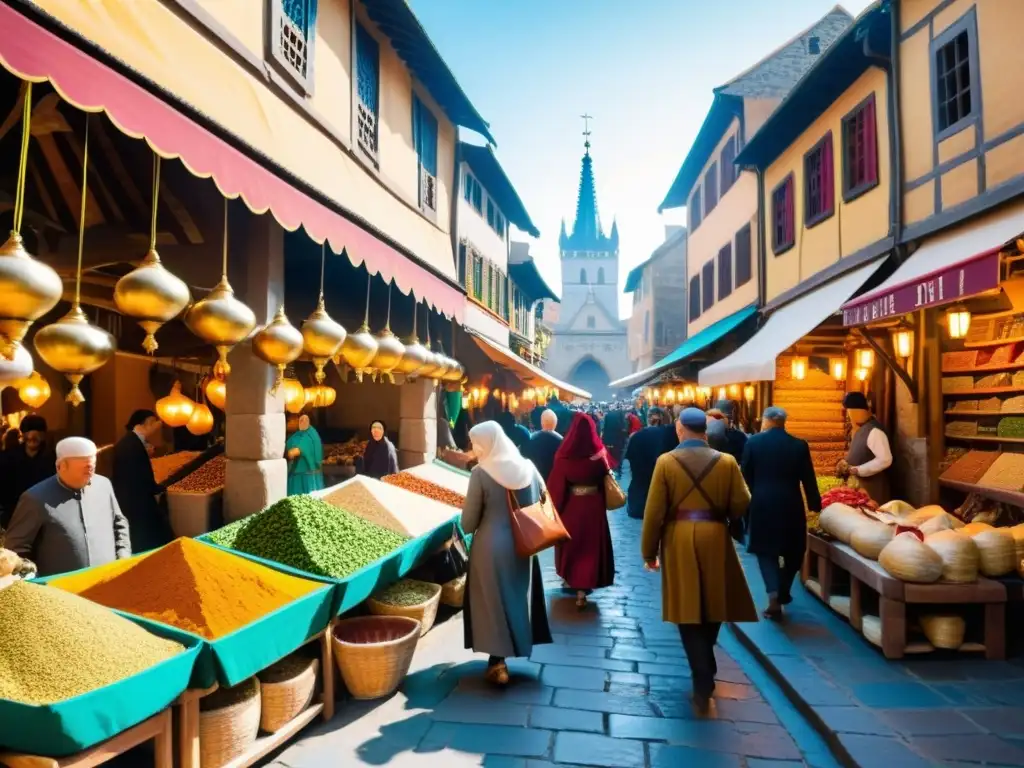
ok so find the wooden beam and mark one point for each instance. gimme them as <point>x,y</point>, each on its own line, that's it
<point>892,364</point>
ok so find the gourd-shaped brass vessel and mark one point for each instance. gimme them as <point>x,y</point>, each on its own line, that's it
<point>322,338</point>
<point>278,343</point>
<point>29,288</point>
<point>221,320</point>
<point>359,350</point>
<point>389,353</point>
<point>74,347</point>
<point>17,368</point>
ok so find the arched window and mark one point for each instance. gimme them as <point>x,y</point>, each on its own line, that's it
<point>590,321</point>
<point>583,276</point>
<point>600,275</point>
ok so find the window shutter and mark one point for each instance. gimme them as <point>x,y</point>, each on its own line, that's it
<point>790,210</point>
<point>828,182</point>
<point>870,142</point>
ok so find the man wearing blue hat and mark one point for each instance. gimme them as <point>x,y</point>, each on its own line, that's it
<point>695,493</point>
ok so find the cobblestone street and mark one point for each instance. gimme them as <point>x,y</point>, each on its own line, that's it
<point>611,691</point>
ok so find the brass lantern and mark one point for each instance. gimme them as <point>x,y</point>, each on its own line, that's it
<point>17,369</point>
<point>455,372</point>
<point>837,367</point>
<point>798,368</point>
<point>175,409</point>
<point>278,343</point>
<point>216,391</point>
<point>219,318</point>
<point>201,420</point>
<point>359,348</point>
<point>74,347</point>
<point>389,348</point>
<point>442,363</point>
<point>748,393</point>
<point>416,355</point>
<point>320,396</point>
<point>29,288</point>
<point>321,336</point>
<point>294,395</point>
<point>34,391</point>
<point>958,321</point>
<point>150,293</point>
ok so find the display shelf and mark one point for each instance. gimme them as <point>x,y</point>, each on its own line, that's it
<point>985,438</point>
<point>984,413</point>
<point>1013,498</point>
<point>993,342</point>
<point>156,729</point>
<point>1015,366</point>
<point>984,391</point>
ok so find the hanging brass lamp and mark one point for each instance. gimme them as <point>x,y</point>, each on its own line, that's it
<point>201,420</point>
<point>456,373</point>
<point>34,391</point>
<point>415,356</point>
<point>216,391</point>
<point>359,348</point>
<point>294,395</point>
<point>278,343</point>
<point>29,287</point>
<point>175,409</point>
<point>72,345</point>
<point>389,348</point>
<point>149,293</point>
<point>17,369</point>
<point>430,367</point>
<point>219,318</point>
<point>321,336</point>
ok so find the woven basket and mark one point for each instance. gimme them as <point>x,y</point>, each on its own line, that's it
<point>871,628</point>
<point>453,593</point>
<point>284,700</point>
<point>227,732</point>
<point>373,653</point>
<point>944,631</point>
<point>997,550</point>
<point>424,612</point>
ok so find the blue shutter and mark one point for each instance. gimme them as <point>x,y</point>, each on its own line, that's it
<point>424,135</point>
<point>367,69</point>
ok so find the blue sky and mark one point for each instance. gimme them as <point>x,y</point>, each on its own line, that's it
<point>532,67</point>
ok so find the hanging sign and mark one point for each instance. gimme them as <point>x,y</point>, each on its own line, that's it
<point>943,286</point>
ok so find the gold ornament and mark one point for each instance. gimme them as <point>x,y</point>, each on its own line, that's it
<point>278,343</point>
<point>149,293</point>
<point>201,421</point>
<point>216,391</point>
<point>416,355</point>
<point>320,396</point>
<point>29,288</point>
<point>294,396</point>
<point>16,370</point>
<point>455,371</point>
<point>389,348</point>
<point>34,391</point>
<point>221,319</point>
<point>74,347</point>
<point>321,336</point>
<point>176,409</point>
<point>359,348</point>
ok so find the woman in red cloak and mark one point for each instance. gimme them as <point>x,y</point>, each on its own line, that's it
<point>576,485</point>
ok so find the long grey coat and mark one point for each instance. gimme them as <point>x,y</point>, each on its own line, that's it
<point>504,610</point>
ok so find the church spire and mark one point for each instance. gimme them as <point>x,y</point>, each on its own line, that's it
<point>586,230</point>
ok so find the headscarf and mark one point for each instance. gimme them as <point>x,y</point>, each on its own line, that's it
<point>499,458</point>
<point>582,441</point>
<point>375,447</point>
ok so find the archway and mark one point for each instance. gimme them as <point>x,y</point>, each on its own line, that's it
<point>590,375</point>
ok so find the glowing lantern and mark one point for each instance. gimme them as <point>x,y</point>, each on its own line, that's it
<point>294,395</point>
<point>958,321</point>
<point>837,367</point>
<point>734,390</point>
<point>861,374</point>
<point>866,358</point>
<point>688,394</point>
<point>175,410</point>
<point>201,420</point>
<point>320,396</point>
<point>216,391</point>
<point>721,393</point>
<point>903,341</point>
<point>748,393</point>
<point>34,391</point>
<point>798,368</point>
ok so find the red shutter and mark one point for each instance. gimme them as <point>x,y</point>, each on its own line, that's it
<point>828,192</point>
<point>789,211</point>
<point>870,143</point>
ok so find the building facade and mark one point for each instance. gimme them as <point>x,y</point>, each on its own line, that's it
<point>657,324</point>
<point>589,348</point>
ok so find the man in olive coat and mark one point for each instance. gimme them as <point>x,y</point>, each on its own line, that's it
<point>695,492</point>
<point>775,465</point>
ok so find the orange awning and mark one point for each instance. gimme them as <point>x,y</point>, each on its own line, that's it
<point>528,373</point>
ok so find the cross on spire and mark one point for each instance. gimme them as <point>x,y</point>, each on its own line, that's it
<point>586,130</point>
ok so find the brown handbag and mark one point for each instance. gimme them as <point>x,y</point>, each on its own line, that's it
<point>614,497</point>
<point>537,526</point>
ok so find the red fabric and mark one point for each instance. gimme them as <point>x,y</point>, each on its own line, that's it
<point>31,51</point>
<point>634,423</point>
<point>870,142</point>
<point>581,441</point>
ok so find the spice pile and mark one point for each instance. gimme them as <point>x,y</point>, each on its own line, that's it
<point>425,488</point>
<point>851,497</point>
<point>356,498</point>
<point>970,467</point>
<point>56,646</point>
<point>207,479</point>
<point>407,592</point>
<point>165,466</point>
<point>1006,472</point>
<point>311,535</point>
<point>344,454</point>
<point>190,585</point>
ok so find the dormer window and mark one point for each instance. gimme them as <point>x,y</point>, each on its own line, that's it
<point>814,45</point>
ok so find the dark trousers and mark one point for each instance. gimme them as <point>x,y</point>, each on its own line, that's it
<point>778,579</point>
<point>699,643</point>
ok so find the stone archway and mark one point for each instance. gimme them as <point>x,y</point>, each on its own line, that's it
<point>591,375</point>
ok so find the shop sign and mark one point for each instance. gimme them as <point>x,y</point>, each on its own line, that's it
<point>941,287</point>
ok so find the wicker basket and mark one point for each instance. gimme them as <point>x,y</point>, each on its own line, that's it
<point>425,613</point>
<point>453,593</point>
<point>286,699</point>
<point>944,631</point>
<point>373,653</point>
<point>227,732</point>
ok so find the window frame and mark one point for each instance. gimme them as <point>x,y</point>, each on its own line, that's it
<point>711,175</point>
<point>359,31</point>
<point>727,169</point>
<point>423,116</point>
<point>827,181</point>
<point>967,23</point>
<point>274,10</point>
<point>724,257</point>
<point>694,208</point>
<point>779,248</point>
<point>853,191</point>
<point>693,298</point>
<point>591,323</point>
<point>749,274</point>
<point>707,297</point>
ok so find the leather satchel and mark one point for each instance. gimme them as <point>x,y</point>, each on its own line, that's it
<point>536,526</point>
<point>614,496</point>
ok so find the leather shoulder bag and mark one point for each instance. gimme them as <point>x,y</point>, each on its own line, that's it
<point>536,526</point>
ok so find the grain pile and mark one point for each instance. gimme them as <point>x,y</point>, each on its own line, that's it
<point>993,381</point>
<point>1001,355</point>
<point>952,384</point>
<point>962,428</point>
<point>425,488</point>
<point>192,586</point>
<point>407,592</point>
<point>311,535</point>
<point>1006,472</point>
<point>356,498</point>
<point>971,466</point>
<point>56,645</point>
<point>165,466</point>
<point>209,478</point>
<point>959,361</point>
<point>815,408</point>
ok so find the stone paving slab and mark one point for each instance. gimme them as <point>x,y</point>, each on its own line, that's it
<point>945,710</point>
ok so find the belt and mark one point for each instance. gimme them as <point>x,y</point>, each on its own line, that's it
<point>694,516</point>
<point>583,490</point>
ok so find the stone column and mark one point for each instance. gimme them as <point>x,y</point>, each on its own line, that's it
<point>417,423</point>
<point>257,473</point>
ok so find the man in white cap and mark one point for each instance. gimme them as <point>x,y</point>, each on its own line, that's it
<point>71,520</point>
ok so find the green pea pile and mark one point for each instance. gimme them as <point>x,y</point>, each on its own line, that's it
<point>407,592</point>
<point>311,535</point>
<point>1011,426</point>
<point>55,645</point>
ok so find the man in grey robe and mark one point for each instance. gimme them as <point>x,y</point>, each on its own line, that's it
<point>71,520</point>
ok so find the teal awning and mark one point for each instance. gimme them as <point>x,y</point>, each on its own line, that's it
<point>688,348</point>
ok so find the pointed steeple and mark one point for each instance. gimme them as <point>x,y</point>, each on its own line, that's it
<point>587,234</point>
<point>563,238</point>
<point>615,233</point>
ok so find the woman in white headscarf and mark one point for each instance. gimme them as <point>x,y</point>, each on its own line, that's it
<point>504,611</point>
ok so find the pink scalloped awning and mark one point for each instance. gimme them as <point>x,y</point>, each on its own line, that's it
<point>31,52</point>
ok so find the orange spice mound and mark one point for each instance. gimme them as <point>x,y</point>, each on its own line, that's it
<point>190,585</point>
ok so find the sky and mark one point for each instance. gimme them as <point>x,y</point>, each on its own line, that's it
<point>533,67</point>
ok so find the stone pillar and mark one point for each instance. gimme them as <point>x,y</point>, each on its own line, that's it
<point>417,423</point>
<point>257,473</point>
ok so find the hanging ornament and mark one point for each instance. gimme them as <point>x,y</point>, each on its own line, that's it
<point>176,409</point>
<point>278,343</point>
<point>320,396</point>
<point>359,348</point>
<point>17,369</point>
<point>216,391</point>
<point>415,357</point>
<point>441,363</point>
<point>34,391</point>
<point>431,368</point>
<point>201,420</point>
<point>221,319</point>
<point>294,395</point>
<point>150,293</point>
<point>321,336</point>
<point>389,348</point>
<point>72,345</point>
<point>29,287</point>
